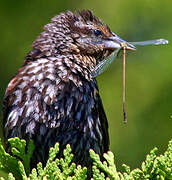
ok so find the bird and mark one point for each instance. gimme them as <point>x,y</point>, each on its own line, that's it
<point>53,97</point>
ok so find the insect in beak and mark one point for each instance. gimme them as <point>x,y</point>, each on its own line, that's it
<point>116,43</point>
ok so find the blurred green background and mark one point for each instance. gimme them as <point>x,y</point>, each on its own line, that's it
<point>149,69</point>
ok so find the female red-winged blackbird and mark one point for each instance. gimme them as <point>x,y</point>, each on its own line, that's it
<point>54,97</point>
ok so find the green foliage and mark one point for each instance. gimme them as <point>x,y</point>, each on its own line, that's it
<point>11,163</point>
<point>55,168</point>
<point>59,168</point>
<point>154,167</point>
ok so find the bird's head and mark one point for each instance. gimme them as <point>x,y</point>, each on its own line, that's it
<point>79,33</point>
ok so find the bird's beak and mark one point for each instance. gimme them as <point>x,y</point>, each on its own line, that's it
<point>115,42</point>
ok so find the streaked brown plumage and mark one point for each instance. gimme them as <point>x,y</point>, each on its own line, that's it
<point>53,97</point>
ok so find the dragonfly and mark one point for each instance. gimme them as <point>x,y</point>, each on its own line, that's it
<point>104,64</point>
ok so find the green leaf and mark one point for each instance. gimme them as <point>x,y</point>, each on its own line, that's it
<point>154,167</point>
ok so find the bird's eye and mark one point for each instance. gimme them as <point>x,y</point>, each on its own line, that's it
<point>97,32</point>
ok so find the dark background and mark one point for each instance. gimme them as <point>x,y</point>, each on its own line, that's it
<point>149,69</point>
